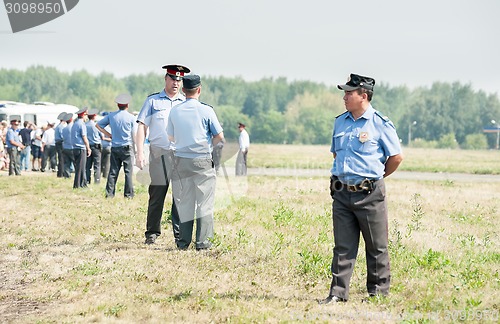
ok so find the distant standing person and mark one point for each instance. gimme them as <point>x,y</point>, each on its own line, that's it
<point>81,149</point>
<point>59,144</point>
<point>14,145</point>
<point>25,135</point>
<point>49,147</point>
<point>67,146</point>
<point>153,117</point>
<point>36,148</point>
<point>194,128</point>
<point>366,149</point>
<point>123,129</point>
<point>94,137</point>
<point>106,152</point>
<point>241,159</point>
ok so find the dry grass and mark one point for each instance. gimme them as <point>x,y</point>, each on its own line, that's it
<point>71,256</point>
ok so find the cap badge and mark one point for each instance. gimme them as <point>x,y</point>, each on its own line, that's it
<point>177,73</point>
<point>363,137</point>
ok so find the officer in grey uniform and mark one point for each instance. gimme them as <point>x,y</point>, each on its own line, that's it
<point>194,128</point>
<point>153,118</point>
<point>366,149</point>
<point>123,129</point>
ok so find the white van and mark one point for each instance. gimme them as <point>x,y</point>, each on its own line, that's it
<point>39,113</point>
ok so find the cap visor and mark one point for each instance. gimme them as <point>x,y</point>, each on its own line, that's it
<point>174,77</point>
<point>346,87</point>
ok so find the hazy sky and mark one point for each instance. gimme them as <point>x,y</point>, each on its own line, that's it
<point>397,42</point>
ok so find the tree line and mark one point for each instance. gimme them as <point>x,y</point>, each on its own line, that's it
<point>276,110</point>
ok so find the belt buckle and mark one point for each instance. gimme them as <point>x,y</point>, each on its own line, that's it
<point>352,188</point>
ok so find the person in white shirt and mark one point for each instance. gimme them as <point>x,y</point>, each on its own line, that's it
<point>241,160</point>
<point>49,147</point>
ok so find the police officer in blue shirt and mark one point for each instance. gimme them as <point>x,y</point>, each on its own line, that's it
<point>153,118</point>
<point>81,148</point>
<point>194,128</point>
<point>14,145</point>
<point>59,143</point>
<point>94,137</point>
<point>123,129</point>
<point>366,149</point>
<point>67,146</point>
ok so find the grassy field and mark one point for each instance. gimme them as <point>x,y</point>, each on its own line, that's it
<point>416,159</point>
<point>71,256</point>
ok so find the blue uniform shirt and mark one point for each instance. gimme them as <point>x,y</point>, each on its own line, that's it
<point>154,114</point>
<point>66,135</point>
<point>362,146</point>
<point>123,127</point>
<point>193,124</point>
<point>78,131</point>
<point>93,133</point>
<point>12,135</point>
<point>58,132</point>
<point>103,142</point>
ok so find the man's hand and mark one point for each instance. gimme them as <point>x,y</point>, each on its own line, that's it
<point>140,161</point>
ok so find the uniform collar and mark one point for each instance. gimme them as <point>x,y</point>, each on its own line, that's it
<point>368,114</point>
<point>179,96</point>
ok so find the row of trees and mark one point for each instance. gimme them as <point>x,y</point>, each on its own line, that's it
<point>279,111</point>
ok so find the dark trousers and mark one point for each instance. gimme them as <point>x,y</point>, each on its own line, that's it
<point>15,161</point>
<point>241,163</point>
<point>49,155</point>
<point>120,156</point>
<point>80,156</point>
<point>94,160</point>
<point>68,159</point>
<point>105,161</point>
<point>366,213</point>
<point>159,170</point>
<point>60,159</point>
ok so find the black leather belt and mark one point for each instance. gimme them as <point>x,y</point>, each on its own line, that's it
<point>365,185</point>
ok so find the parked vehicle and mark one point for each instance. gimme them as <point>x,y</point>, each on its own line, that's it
<point>38,113</point>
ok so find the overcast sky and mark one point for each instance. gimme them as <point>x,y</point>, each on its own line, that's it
<point>413,43</point>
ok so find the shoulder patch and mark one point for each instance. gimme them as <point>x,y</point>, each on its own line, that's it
<point>153,94</point>
<point>345,112</point>
<point>385,118</point>
<point>206,104</point>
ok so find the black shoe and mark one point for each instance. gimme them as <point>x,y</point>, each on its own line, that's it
<point>150,239</point>
<point>331,299</point>
<point>42,170</point>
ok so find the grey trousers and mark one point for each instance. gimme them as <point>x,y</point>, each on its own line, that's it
<point>193,186</point>
<point>365,213</point>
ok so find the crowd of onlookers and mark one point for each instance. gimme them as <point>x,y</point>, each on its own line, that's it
<point>38,153</point>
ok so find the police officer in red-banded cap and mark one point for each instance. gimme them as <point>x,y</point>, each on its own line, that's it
<point>153,117</point>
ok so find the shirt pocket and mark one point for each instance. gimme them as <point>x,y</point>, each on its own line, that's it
<point>339,140</point>
<point>368,147</point>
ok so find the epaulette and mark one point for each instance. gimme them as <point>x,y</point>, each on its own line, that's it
<point>345,112</point>
<point>385,118</point>
<point>206,104</point>
<point>153,94</point>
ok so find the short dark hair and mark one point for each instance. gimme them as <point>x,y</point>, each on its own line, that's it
<point>369,93</point>
<point>190,92</point>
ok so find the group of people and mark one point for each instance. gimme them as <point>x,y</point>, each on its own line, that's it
<point>185,135</point>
